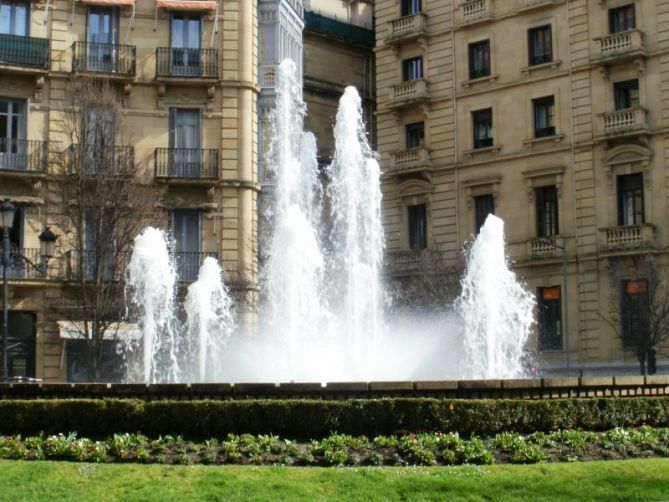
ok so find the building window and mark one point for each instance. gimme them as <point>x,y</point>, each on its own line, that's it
<point>187,243</point>
<point>415,135</point>
<point>15,241</point>
<point>185,40</point>
<point>102,36</point>
<point>113,366</point>
<point>412,69</point>
<point>630,199</point>
<point>418,226</point>
<point>635,309</point>
<point>621,18</point>
<point>482,120</point>
<point>540,45</point>
<point>411,7</point>
<point>626,94</point>
<point>479,59</point>
<point>483,205</point>
<point>547,211</point>
<point>14,18</point>
<point>544,117</point>
<point>550,318</point>
<point>185,157</point>
<point>12,133</point>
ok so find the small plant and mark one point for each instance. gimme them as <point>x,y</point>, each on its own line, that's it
<point>528,454</point>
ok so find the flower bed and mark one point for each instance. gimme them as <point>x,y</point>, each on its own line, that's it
<point>343,450</point>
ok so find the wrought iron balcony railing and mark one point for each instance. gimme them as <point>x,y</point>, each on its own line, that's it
<point>91,159</point>
<point>92,264</point>
<point>24,263</point>
<point>113,59</point>
<point>186,163</point>
<point>186,63</point>
<point>23,155</point>
<point>22,51</point>
<point>188,264</point>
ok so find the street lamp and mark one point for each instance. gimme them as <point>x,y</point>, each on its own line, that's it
<point>47,241</point>
<point>565,303</point>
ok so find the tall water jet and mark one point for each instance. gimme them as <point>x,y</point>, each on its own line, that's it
<point>294,269</point>
<point>150,281</point>
<point>497,311</point>
<point>209,321</point>
<point>357,232</point>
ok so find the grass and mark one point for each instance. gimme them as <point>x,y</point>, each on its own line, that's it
<point>614,480</point>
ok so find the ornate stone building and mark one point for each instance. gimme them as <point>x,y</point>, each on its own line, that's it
<point>551,114</point>
<point>187,74</point>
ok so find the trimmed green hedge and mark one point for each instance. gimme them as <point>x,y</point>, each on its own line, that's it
<point>311,419</point>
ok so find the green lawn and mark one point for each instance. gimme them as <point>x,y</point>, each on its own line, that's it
<point>612,480</point>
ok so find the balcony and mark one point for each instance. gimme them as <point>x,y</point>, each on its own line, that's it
<point>545,247</point>
<point>625,123</point>
<point>407,28</point>
<point>474,11</point>
<point>20,260</point>
<point>188,264</point>
<point>184,65</point>
<point>621,47</point>
<point>405,262</point>
<point>267,76</point>
<point>627,237</point>
<point>412,161</point>
<point>109,60</point>
<point>341,30</point>
<point>19,156</point>
<point>24,54</point>
<point>89,264</point>
<point>92,159</point>
<point>187,164</point>
<point>409,92</point>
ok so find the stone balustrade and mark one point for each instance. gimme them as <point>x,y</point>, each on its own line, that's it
<point>407,26</point>
<point>628,236</point>
<point>627,120</point>
<point>621,43</point>
<point>409,91</point>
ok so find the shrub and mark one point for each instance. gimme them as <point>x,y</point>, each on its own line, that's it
<point>310,419</point>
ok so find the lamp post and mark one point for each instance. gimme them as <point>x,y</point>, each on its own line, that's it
<point>566,302</point>
<point>47,241</point>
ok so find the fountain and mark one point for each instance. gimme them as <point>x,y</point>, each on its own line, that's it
<point>323,317</point>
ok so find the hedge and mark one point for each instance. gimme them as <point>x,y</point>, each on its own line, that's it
<point>312,419</point>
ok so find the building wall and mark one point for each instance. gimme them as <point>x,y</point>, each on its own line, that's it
<point>582,159</point>
<point>229,124</point>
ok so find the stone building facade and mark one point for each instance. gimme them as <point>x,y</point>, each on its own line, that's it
<point>553,115</point>
<point>187,74</point>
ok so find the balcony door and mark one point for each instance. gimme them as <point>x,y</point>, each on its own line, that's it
<point>14,18</point>
<point>186,235</point>
<point>13,154</point>
<point>15,242</point>
<point>185,154</point>
<point>102,39</point>
<point>185,40</point>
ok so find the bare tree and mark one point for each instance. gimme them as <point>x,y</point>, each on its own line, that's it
<point>639,307</point>
<point>105,205</point>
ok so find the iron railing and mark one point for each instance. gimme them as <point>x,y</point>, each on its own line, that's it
<point>109,267</point>
<point>338,29</point>
<point>30,52</point>
<point>91,159</point>
<point>23,155</point>
<point>112,59</point>
<point>189,163</point>
<point>186,63</point>
<point>188,264</point>
<point>24,263</point>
